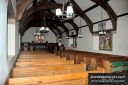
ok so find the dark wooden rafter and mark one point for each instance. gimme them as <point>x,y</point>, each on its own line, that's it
<point>34,24</point>
<point>21,8</point>
<point>35,16</point>
<point>38,7</point>
<point>88,9</point>
<point>76,28</point>
<point>34,2</point>
<point>19,2</point>
<point>53,31</point>
<point>79,12</point>
<point>60,24</point>
<point>48,5</point>
<point>104,4</point>
<point>53,26</point>
<point>32,8</point>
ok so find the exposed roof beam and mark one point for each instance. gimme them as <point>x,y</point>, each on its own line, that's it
<point>34,2</point>
<point>37,8</point>
<point>59,23</point>
<point>21,8</point>
<point>76,28</point>
<point>88,9</point>
<point>34,23</point>
<point>79,11</point>
<point>104,4</point>
<point>19,2</point>
<point>35,16</point>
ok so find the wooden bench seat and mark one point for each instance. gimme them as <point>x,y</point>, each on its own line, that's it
<point>48,70</point>
<point>109,65</point>
<point>45,59</point>
<point>36,57</point>
<point>98,60</point>
<point>26,64</point>
<point>48,80</point>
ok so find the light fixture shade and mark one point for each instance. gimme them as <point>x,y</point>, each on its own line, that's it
<point>102,32</point>
<point>58,12</point>
<point>47,29</point>
<point>42,28</point>
<point>70,11</point>
<point>36,33</point>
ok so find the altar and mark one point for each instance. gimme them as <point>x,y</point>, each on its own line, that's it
<point>36,46</point>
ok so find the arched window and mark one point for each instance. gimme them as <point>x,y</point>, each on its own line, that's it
<point>39,38</point>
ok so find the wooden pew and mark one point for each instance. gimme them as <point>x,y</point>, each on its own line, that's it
<point>26,64</point>
<point>68,79</point>
<point>45,59</point>
<point>97,60</point>
<point>48,70</point>
<point>38,57</point>
<point>91,59</point>
<point>35,54</point>
<point>109,65</point>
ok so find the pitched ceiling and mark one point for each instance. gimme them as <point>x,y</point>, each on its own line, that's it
<point>30,14</point>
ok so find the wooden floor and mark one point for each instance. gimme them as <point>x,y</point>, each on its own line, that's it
<point>42,68</point>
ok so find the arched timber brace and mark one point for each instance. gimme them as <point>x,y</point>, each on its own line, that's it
<point>34,23</point>
<point>22,8</point>
<point>48,5</point>
<point>76,28</point>
<point>62,25</point>
<point>36,16</point>
<point>79,11</point>
<point>104,4</point>
<point>53,26</point>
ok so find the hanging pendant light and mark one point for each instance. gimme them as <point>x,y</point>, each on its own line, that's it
<point>44,29</point>
<point>37,33</point>
<point>68,36</point>
<point>65,15</point>
<point>102,25</point>
<point>58,12</point>
<point>80,32</point>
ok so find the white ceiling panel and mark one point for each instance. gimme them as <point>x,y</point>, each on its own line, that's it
<point>84,4</point>
<point>77,21</point>
<point>95,14</point>
<point>119,6</point>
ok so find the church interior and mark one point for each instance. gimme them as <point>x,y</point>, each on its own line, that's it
<point>60,42</point>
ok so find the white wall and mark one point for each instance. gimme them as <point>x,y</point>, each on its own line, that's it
<point>120,40</point>
<point>3,42</point>
<point>8,43</point>
<point>17,38</point>
<point>50,37</point>
<point>29,36</point>
<point>90,43</point>
<point>65,41</point>
<point>11,39</point>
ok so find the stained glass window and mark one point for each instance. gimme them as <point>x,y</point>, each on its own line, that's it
<point>105,42</point>
<point>39,38</point>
